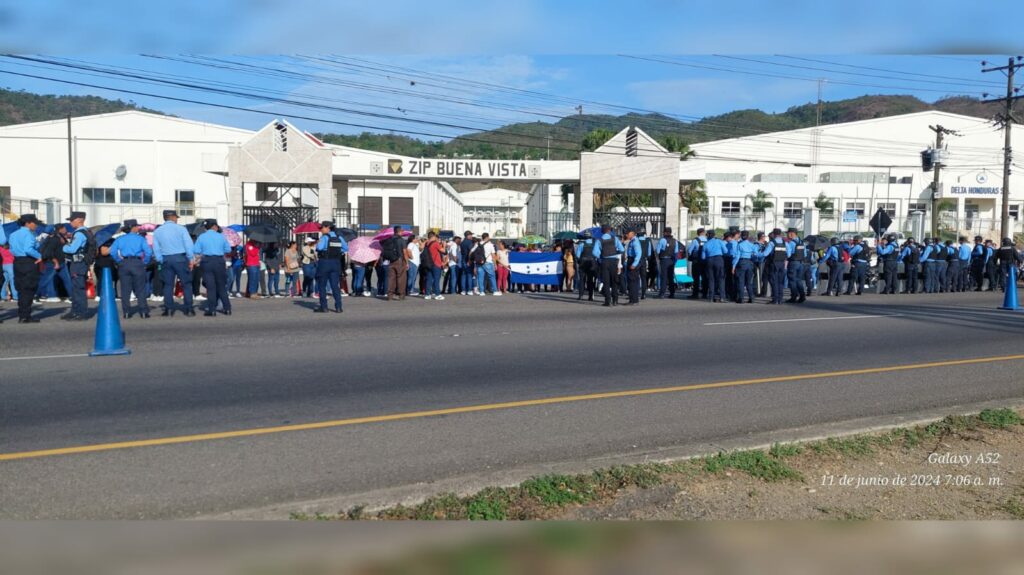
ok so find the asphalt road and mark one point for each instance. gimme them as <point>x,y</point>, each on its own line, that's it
<point>274,363</point>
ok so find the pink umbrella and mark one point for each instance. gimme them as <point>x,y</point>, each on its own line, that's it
<point>147,227</point>
<point>364,250</point>
<point>390,232</point>
<point>307,228</point>
<point>231,236</point>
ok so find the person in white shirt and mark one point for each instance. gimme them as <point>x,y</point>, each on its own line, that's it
<point>451,279</point>
<point>483,255</point>
<point>413,252</point>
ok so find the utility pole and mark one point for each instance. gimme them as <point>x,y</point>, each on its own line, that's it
<point>939,133</point>
<point>1007,120</point>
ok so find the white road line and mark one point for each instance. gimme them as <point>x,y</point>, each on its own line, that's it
<point>44,357</point>
<point>802,319</point>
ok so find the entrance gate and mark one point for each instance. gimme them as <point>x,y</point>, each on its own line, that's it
<point>284,219</point>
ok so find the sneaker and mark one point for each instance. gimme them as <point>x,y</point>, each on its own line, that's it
<point>481,294</point>
<point>438,298</point>
<point>428,297</point>
<point>343,294</point>
<point>200,297</point>
<point>366,294</point>
<point>496,294</point>
<point>52,300</point>
<point>157,298</point>
<point>475,292</point>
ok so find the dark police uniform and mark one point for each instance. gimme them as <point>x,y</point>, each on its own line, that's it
<point>860,257</point>
<point>330,250</point>
<point>588,268</point>
<point>80,253</point>
<point>1007,256</point>
<point>26,271</point>
<point>795,271</point>
<point>941,265</point>
<point>890,266</point>
<point>633,268</point>
<point>607,249</point>
<point>714,264</point>
<point>835,269</point>
<point>668,247</point>
<point>645,260</point>
<point>775,254</point>
<point>911,258</point>
<point>695,255</point>
<point>978,260</point>
<point>212,248</point>
<point>132,254</point>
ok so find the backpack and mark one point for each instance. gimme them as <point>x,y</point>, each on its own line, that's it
<point>90,249</point>
<point>392,248</point>
<point>478,254</point>
<point>426,261</point>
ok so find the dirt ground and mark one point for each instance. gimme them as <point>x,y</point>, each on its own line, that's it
<point>971,474</point>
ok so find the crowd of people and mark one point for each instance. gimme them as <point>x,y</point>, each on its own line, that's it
<point>737,267</point>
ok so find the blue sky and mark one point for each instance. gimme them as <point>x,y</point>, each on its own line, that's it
<point>574,53</point>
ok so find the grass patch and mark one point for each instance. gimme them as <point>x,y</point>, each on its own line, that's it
<point>754,463</point>
<point>560,490</point>
<point>855,446</point>
<point>1014,507</point>
<point>783,450</point>
<point>489,505</point>
<point>1000,418</point>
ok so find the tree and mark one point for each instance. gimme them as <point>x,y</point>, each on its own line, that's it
<point>674,143</point>
<point>595,139</point>
<point>825,205</point>
<point>760,201</point>
<point>694,197</point>
<point>567,191</point>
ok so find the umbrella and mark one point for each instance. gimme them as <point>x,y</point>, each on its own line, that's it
<point>104,233</point>
<point>364,250</point>
<point>348,234</point>
<point>390,232</point>
<point>233,238</point>
<point>148,227</point>
<point>532,240</point>
<point>566,235</point>
<point>265,233</point>
<point>595,232</point>
<point>196,229</point>
<point>11,228</point>
<point>237,227</point>
<point>307,228</point>
<point>817,242</point>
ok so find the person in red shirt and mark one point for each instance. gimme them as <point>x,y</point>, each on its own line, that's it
<point>434,258</point>
<point>8,265</point>
<point>252,268</point>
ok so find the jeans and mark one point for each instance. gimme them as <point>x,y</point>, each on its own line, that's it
<point>434,281</point>
<point>358,274</point>
<point>411,278</point>
<point>452,280</point>
<point>274,280</point>
<point>291,283</point>
<point>8,287</point>
<point>795,274</point>
<point>486,270</point>
<point>744,279</point>
<point>465,279</point>
<point>308,279</point>
<point>236,279</point>
<point>253,275</point>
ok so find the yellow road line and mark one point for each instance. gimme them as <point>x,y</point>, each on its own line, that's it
<point>487,407</point>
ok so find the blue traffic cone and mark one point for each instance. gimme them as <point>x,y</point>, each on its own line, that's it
<point>109,338</point>
<point>1010,299</point>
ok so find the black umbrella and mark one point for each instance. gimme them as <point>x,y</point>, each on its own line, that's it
<point>347,234</point>
<point>263,233</point>
<point>195,229</point>
<point>817,242</point>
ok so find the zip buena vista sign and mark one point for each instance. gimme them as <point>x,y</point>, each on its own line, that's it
<point>465,168</point>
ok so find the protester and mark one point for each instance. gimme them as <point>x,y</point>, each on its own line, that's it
<point>252,269</point>
<point>292,267</point>
<point>433,262</point>
<point>309,268</point>
<point>504,269</point>
<point>8,266</point>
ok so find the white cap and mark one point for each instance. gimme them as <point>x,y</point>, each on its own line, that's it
<point>310,241</point>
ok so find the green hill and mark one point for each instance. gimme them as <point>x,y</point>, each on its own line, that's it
<point>21,107</point>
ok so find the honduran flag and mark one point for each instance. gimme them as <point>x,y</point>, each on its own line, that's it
<point>534,268</point>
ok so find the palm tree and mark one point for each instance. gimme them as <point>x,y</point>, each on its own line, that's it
<point>566,190</point>
<point>595,139</point>
<point>760,202</point>
<point>677,144</point>
<point>825,205</point>
<point>694,197</point>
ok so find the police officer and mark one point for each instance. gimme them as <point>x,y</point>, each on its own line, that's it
<point>810,269</point>
<point>730,248</point>
<point>964,255</point>
<point>941,252</point>
<point>714,262</point>
<point>80,254</point>
<point>26,265</point>
<point>860,257</point>
<point>132,254</point>
<point>796,257</point>
<point>586,275</point>
<point>211,248</point>
<point>606,250</point>
<point>775,254</point>
<point>174,251</point>
<point>667,250</point>
<point>929,259</point>
<point>953,268</point>
<point>890,264</point>
<point>743,267</point>
<point>991,270</point>
<point>646,250</point>
<point>695,255</point>
<point>835,269</point>
<point>1007,256</point>
<point>978,260</point>
<point>762,279</point>
<point>329,251</point>
<point>910,255</point>
<point>632,267</point>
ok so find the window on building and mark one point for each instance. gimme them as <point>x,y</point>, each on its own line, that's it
<point>371,210</point>
<point>856,207</point>
<point>265,193</point>
<point>787,178</point>
<point>185,201</point>
<point>725,177</point>
<point>99,196</point>
<point>730,208</point>
<point>792,209</point>
<point>1015,211</point>
<point>136,196</point>
<point>400,211</point>
<point>854,177</point>
<point>888,207</point>
<point>281,138</point>
<point>916,207</point>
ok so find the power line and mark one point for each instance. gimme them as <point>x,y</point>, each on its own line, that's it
<point>973,82</point>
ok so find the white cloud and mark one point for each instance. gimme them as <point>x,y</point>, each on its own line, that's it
<point>708,96</point>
